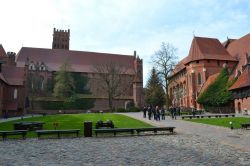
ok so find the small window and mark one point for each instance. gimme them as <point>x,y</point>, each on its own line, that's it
<point>15,93</point>
<point>199,78</point>
<point>208,61</point>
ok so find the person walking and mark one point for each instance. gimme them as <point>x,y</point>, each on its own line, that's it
<point>162,113</point>
<point>157,111</point>
<point>149,112</point>
<point>174,113</point>
<point>144,112</point>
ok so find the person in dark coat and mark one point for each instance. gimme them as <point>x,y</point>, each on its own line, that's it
<point>157,111</point>
<point>149,112</point>
<point>162,113</point>
<point>174,113</point>
<point>154,113</point>
<point>144,112</point>
<point>171,109</point>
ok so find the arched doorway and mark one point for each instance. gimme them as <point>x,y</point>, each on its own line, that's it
<point>239,107</point>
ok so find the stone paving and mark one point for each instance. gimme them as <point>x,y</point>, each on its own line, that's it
<point>186,147</point>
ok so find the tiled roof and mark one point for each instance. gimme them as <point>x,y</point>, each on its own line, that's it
<point>207,48</point>
<point>80,61</point>
<point>228,42</point>
<point>13,75</point>
<point>239,48</point>
<point>2,51</point>
<point>243,80</point>
<point>180,66</point>
<point>209,81</point>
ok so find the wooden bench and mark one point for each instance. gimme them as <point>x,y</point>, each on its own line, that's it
<point>245,125</point>
<point>131,130</point>
<point>31,126</point>
<point>4,134</point>
<point>155,129</point>
<point>208,116</point>
<point>114,130</point>
<point>101,124</point>
<point>57,132</point>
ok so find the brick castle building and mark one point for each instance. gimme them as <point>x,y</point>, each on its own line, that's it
<point>45,62</point>
<point>206,58</point>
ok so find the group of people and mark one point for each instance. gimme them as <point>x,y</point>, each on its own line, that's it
<point>154,112</point>
<point>158,113</point>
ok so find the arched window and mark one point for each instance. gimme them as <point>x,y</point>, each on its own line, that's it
<point>199,79</point>
<point>15,93</point>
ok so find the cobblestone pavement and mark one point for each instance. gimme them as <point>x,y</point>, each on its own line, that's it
<point>136,150</point>
<point>186,147</point>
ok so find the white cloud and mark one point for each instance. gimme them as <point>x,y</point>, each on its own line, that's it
<point>121,26</point>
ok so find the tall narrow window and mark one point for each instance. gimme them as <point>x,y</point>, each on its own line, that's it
<point>15,93</point>
<point>199,78</point>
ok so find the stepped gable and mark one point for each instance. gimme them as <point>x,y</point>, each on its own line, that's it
<point>2,51</point>
<point>243,80</point>
<point>13,75</point>
<point>80,61</point>
<point>207,48</point>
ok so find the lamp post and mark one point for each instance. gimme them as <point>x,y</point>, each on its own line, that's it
<point>231,125</point>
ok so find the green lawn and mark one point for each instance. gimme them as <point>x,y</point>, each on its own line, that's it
<point>75,121</point>
<point>222,121</point>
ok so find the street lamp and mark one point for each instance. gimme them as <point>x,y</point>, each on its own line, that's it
<point>231,125</point>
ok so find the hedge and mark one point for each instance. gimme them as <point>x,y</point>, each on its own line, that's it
<point>81,103</point>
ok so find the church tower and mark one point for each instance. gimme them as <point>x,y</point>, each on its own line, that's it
<point>61,39</point>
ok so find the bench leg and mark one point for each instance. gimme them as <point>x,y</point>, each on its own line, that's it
<point>58,135</point>
<point>114,133</point>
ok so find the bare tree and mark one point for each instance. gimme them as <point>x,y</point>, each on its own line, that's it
<point>115,80</point>
<point>164,61</point>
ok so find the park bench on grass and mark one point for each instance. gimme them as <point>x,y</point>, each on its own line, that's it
<point>208,116</point>
<point>107,124</point>
<point>114,130</point>
<point>131,130</point>
<point>57,132</point>
<point>4,134</point>
<point>245,125</point>
<point>155,129</point>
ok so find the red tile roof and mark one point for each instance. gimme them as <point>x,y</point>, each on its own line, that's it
<point>13,75</point>
<point>2,51</point>
<point>239,48</point>
<point>180,66</point>
<point>81,61</point>
<point>209,81</point>
<point>207,48</point>
<point>243,80</point>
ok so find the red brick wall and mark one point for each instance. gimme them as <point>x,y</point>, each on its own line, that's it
<point>241,105</point>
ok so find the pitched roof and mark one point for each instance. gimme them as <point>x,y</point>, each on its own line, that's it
<point>209,81</point>
<point>2,51</point>
<point>243,80</point>
<point>13,75</point>
<point>207,48</point>
<point>81,61</point>
<point>239,48</point>
<point>228,42</point>
<point>180,66</point>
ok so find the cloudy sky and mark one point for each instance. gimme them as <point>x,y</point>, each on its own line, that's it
<point>121,26</point>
